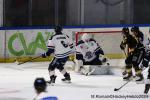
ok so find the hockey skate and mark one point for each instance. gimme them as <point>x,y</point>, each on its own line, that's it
<point>147,87</point>
<point>90,72</point>
<point>81,68</point>
<point>139,79</point>
<point>86,71</point>
<point>52,80</point>
<point>127,76</point>
<point>67,78</point>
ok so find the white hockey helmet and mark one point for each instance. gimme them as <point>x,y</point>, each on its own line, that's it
<point>85,37</point>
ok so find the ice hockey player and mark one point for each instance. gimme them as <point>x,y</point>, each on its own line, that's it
<point>88,52</point>
<point>145,64</point>
<point>139,36</point>
<point>146,58</point>
<point>40,88</point>
<point>135,51</point>
<point>61,46</point>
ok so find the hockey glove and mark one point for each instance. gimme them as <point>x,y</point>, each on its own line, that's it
<point>142,67</point>
<point>43,55</point>
<point>122,46</point>
<point>103,59</point>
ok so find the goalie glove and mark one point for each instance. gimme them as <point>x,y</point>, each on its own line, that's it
<point>103,59</point>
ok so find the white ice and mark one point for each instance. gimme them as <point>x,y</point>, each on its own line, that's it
<point>16,83</point>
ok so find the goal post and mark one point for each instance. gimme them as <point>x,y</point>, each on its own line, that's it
<point>108,40</point>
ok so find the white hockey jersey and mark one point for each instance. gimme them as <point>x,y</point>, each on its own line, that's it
<point>45,96</point>
<point>146,43</point>
<point>61,44</point>
<point>88,49</point>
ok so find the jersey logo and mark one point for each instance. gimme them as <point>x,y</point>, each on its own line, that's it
<point>65,45</point>
<point>88,55</point>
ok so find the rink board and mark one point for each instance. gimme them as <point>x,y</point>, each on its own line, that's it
<point>28,42</point>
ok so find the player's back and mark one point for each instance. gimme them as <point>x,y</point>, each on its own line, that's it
<point>62,45</point>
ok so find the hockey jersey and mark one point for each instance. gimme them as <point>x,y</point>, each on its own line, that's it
<point>89,50</point>
<point>45,96</point>
<point>61,45</point>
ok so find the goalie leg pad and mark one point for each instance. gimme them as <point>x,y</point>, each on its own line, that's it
<point>79,64</point>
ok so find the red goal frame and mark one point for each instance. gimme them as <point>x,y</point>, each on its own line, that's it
<point>96,32</point>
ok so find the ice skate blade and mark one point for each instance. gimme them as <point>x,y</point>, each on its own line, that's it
<point>146,91</point>
<point>49,83</point>
<point>67,81</point>
<point>140,82</point>
<point>89,73</point>
<point>130,79</point>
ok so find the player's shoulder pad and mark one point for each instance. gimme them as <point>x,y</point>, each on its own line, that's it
<point>53,36</point>
<point>80,42</point>
<point>92,40</point>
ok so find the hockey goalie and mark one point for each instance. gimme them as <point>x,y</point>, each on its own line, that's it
<point>90,58</point>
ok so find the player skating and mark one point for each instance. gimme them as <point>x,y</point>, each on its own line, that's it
<point>61,46</point>
<point>145,64</point>
<point>146,58</point>
<point>88,52</point>
<point>135,51</point>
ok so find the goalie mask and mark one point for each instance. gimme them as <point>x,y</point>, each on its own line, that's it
<point>86,37</point>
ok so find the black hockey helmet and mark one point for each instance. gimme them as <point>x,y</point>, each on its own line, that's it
<point>58,28</point>
<point>40,84</point>
<point>135,29</point>
<point>125,30</point>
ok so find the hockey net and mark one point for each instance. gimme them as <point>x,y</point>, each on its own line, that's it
<point>110,43</point>
<point>108,40</point>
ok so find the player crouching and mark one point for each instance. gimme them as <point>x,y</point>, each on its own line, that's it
<point>90,57</point>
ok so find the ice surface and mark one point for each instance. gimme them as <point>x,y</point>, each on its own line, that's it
<point>16,83</point>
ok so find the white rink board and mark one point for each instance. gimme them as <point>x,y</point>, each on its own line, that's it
<point>23,41</point>
<point>2,43</point>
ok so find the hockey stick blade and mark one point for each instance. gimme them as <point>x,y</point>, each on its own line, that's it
<point>115,89</point>
<point>121,86</point>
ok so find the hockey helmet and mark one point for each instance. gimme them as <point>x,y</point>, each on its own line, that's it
<point>135,29</point>
<point>85,37</point>
<point>58,28</point>
<point>125,30</point>
<point>40,84</point>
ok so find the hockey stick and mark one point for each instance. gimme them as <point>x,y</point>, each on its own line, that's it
<point>125,53</point>
<point>29,60</point>
<point>116,89</point>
